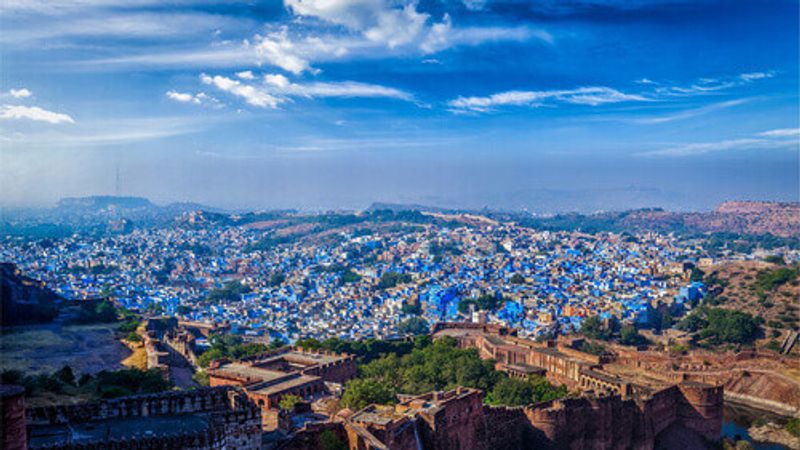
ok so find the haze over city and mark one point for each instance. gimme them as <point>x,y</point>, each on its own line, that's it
<point>546,106</point>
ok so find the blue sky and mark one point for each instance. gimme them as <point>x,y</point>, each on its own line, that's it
<point>549,105</point>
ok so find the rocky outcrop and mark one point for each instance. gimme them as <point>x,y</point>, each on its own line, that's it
<point>24,300</point>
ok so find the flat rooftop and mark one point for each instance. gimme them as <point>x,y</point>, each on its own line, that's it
<point>239,370</point>
<point>119,428</point>
<point>287,384</point>
<point>377,414</point>
<point>309,359</point>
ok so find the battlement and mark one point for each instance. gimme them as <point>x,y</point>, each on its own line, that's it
<point>207,418</point>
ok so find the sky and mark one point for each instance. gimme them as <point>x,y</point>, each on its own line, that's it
<point>545,106</point>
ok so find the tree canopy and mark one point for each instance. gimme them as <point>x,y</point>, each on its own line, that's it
<point>722,326</point>
<point>440,365</point>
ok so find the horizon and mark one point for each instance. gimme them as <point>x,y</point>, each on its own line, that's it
<point>549,107</point>
<point>378,205</point>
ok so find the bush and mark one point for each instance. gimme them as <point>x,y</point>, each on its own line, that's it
<point>100,312</point>
<point>793,426</point>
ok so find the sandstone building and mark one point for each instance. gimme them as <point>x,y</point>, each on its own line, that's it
<point>268,377</point>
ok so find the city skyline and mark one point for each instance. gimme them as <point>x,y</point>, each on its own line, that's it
<point>595,104</point>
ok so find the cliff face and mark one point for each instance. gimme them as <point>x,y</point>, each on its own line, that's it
<point>23,299</point>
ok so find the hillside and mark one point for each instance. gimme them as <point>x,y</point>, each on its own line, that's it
<point>24,300</point>
<point>763,289</point>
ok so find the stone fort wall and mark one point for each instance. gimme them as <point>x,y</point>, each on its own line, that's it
<point>233,422</point>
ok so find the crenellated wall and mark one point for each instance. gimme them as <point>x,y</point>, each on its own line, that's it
<point>232,420</point>
<point>173,402</point>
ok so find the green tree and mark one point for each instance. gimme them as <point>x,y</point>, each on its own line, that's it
<point>348,276</point>
<point>328,440</point>
<point>413,326</point>
<point>210,355</point>
<point>66,375</point>
<point>628,335</point>
<point>517,279</point>
<point>512,392</point>
<point>289,402</point>
<point>201,377</point>
<point>595,328</point>
<point>277,278</point>
<point>392,279</point>
<point>362,392</point>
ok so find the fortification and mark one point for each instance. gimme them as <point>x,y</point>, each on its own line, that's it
<point>208,418</point>
<point>12,403</point>
<point>270,376</point>
<point>611,401</point>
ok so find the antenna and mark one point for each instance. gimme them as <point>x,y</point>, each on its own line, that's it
<point>117,184</point>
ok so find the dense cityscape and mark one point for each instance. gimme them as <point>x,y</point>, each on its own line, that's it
<point>355,283</point>
<point>399,225</point>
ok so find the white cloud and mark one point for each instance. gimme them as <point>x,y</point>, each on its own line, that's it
<point>391,23</point>
<point>593,96</point>
<point>474,5</point>
<point>33,113</point>
<point>712,85</point>
<point>756,75</point>
<point>276,79</point>
<point>114,24</point>
<point>181,97</point>
<point>277,89</point>
<point>20,93</point>
<point>768,140</point>
<point>783,132</point>
<point>251,95</point>
<point>246,75</point>
<point>343,89</point>
<point>375,26</point>
<point>197,99</point>
<point>277,49</point>
<point>689,113</point>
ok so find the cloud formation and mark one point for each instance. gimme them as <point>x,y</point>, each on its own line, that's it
<point>787,139</point>
<point>277,89</point>
<point>186,97</point>
<point>33,113</point>
<point>592,96</point>
<point>20,93</point>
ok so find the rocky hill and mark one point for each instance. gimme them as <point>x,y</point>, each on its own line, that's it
<point>779,219</point>
<point>24,300</point>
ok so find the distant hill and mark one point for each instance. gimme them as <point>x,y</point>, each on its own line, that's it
<point>103,202</point>
<point>741,217</point>
<point>94,215</point>
<point>744,217</point>
<point>24,300</point>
